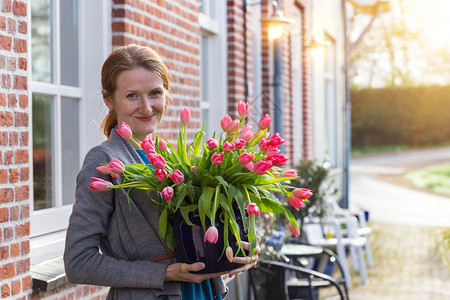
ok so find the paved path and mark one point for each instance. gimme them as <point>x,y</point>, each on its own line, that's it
<point>407,229</point>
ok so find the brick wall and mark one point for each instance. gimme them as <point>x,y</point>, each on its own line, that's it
<point>15,275</point>
<point>171,28</point>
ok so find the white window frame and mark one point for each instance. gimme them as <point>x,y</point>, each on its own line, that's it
<point>216,59</point>
<point>48,226</point>
<point>331,104</point>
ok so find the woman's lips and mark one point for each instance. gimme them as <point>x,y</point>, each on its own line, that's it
<point>145,119</point>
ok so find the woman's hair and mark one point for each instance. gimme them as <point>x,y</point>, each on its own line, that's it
<point>127,58</point>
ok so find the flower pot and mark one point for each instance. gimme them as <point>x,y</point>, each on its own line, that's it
<point>192,248</point>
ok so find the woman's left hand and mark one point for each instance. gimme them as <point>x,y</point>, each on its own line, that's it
<point>248,262</point>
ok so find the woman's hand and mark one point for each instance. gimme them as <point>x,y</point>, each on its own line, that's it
<point>249,262</point>
<point>181,272</point>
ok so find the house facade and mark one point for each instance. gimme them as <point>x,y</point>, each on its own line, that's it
<point>218,53</point>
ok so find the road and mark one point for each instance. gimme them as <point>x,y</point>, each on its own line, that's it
<point>388,203</point>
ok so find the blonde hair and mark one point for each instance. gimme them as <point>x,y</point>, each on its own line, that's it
<point>127,58</point>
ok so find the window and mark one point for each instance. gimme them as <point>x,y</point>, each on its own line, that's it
<point>61,91</point>
<point>212,21</point>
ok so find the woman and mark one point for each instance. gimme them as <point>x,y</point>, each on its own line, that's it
<point>107,242</point>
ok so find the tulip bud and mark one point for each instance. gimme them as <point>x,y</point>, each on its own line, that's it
<point>264,122</point>
<point>116,166</point>
<point>289,173</point>
<point>239,144</point>
<point>245,158</point>
<point>185,115</point>
<point>212,144</point>
<point>234,125</point>
<point>167,193</point>
<point>225,122</point>
<point>194,169</point>
<point>125,131</point>
<point>99,185</point>
<point>162,145</point>
<point>211,235</point>
<point>302,193</point>
<point>242,109</point>
<point>147,145</point>
<point>228,147</point>
<point>157,160</point>
<point>295,202</point>
<point>229,254</point>
<point>261,167</point>
<point>295,231</point>
<point>217,158</point>
<point>177,177</point>
<point>161,174</point>
<point>275,140</point>
<point>252,208</point>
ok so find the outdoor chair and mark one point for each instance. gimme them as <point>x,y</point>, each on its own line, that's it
<point>279,280</point>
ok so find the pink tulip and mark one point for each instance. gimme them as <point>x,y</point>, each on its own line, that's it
<point>185,115</point>
<point>295,202</point>
<point>229,254</point>
<point>99,184</point>
<point>295,231</point>
<point>302,193</point>
<point>157,160</point>
<point>252,208</point>
<point>289,173</point>
<point>233,126</point>
<point>263,145</point>
<point>250,166</point>
<point>194,169</point>
<point>242,109</point>
<point>225,123</point>
<point>272,150</point>
<point>277,160</point>
<point>147,145</point>
<point>239,144</point>
<point>161,174</point>
<point>275,140</point>
<point>167,193</point>
<point>116,166</point>
<point>246,134</point>
<point>261,167</point>
<point>245,158</point>
<point>104,170</point>
<point>228,147</point>
<point>212,144</point>
<point>162,145</point>
<point>217,158</point>
<point>211,235</point>
<point>125,131</point>
<point>264,122</point>
<point>177,177</point>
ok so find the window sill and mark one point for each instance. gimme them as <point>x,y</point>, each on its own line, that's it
<point>48,275</point>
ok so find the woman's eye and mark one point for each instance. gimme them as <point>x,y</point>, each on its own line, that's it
<point>156,93</point>
<point>132,95</point>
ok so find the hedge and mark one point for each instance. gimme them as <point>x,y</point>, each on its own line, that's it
<point>414,116</point>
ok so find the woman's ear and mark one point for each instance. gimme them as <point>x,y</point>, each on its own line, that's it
<point>107,99</point>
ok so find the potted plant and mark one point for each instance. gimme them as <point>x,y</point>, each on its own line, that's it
<point>218,182</point>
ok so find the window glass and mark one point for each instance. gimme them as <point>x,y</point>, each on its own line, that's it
<point>205,67</point>
<point>70,152</point>
<point>69,42</point>
<point>41,41</point>
<point>42,151</point>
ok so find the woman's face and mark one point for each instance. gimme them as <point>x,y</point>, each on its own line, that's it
<point>138,101</point>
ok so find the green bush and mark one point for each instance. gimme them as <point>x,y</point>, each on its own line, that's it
<point>394,116</point>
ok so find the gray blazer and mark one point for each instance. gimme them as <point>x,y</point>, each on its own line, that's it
<point>103,220</point>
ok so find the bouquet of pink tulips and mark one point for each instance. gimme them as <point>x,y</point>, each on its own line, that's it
<point>242,168</point>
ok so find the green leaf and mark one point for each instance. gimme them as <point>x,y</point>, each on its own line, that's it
<point>185,210</point>
<point>170,240</point>
<point>252,238</point>
<point>204,204</point>
<point>163,224</point>
<point>179,195</point>
<point>221,181</point>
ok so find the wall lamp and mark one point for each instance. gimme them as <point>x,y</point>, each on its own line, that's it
<point>277,22</point>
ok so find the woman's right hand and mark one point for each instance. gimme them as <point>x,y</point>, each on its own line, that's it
<point>182,272</point>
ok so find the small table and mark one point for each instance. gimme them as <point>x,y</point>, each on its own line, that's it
<point>300,250</point>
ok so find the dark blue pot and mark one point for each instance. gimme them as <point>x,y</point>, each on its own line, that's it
<point>191,247</point>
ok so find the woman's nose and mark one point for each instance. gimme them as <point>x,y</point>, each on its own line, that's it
<point>145,105</point>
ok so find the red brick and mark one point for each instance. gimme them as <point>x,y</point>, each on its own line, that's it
<point>3,23</point>
<point>21,156</point>
<point>24,174</point>
<point>19,8</point>
<point>23,63</point>
<point>22,193</point>
<point>4,214</point>
<point>25,211</point>
<point>25,246</point>
<point>23,266</point>
<point>13,175</point>
<point>8,233</point>
<point>20,45</point>
<point>23,101</point>
<point>16,288</point>
<point>6,81</point>
<point>14,213</point>
<point>13,138</point>
<point>6,119</point>
<point>3,139</point>
<point>24,139</point>
<point>20,82</point>
<point>7,271</point>
<point>6,291</point>
<point>5,42</point>
<point>4,252</point>
<point>2,99</point>
<point>21,119</point>
<point>12,24</point>
<point>26,283</point>
<point>23,229</point>
<point>22,28</point>
<point>12,100</point>
<point>15,249</point>
<point>6,195</point>
<point>3,176</point>
<point>6,5</point>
